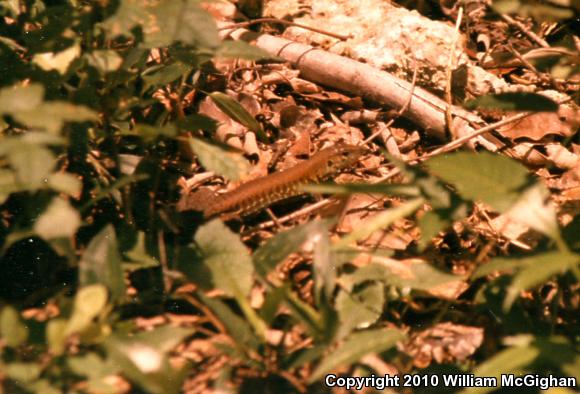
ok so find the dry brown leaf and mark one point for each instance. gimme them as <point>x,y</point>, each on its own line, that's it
<point>537,126</point>
<point>443,343</point>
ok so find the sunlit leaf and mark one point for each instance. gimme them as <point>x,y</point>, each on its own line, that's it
<point>359,308</point>
<point>56,335</point>
<point>482,176</point>
<point>380,221</point>
<point>511,360</point>
<point>59,220</point>
<point>12,330</point>
<point>104,60</point>
<point>65,182</point>
<point>230,165</point>
<point>89,303</point>
<point>226,257</point>
<point>59,61</point>
<point>101,263</point>
<point>276,249</point>
<point>243,50</point>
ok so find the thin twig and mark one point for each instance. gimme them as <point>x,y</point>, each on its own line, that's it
<point>283,22</point>
<point>531,35</point>
<point>448,71</point>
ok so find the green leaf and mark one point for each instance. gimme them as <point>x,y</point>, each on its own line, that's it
<point>535,274</point>
<point>236,325</point>
<point>58,212</point>
<point>414,274</point>
<point>105,60</point>
<point>277,248</point>
<point>56,335</point>
<point>359,308</point>
<point>101,263</point>
<point>22,372</point>
<point>511,360</point>
<point>145,362</point>
<point>32,164</point>
<point>12,330</point>
<point>355,347</point>
<point>164,338</point>
<point>164,74</point>
<point>235,111</point>
<point>21,98</point>
<point>380,221</point>
<point>482,176</point>
<point>51,115</point>
<point>514,101</point>
<point>184,21</point>
<point>139,256</point>
<point>230,165</point>
<point>165,22</point>
<point>226,257</point>
<point>151,133</point>
<point>65,182</point>
<point>60,61</point>
<point>243,50</point>
<point>89,303</point>
<point>535,210</point>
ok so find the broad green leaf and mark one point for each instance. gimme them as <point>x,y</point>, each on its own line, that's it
<point>493,179</point>
<point>22,372</point>
<point>535,274</point>
<point>235,324</point>
<point>277,248</point>
<point>51,115</point>
<point>413,274</point>
<point>12,330</point>
<point>21,98</point>
<point>164,338</point>
<point>323,267</point>
<point>355,347</point>
<point>514,101</point>
<point>139,256</point>
<point>89,303</point>
<point>26,105</point>
<point>380,221</point>
<point>235,111</point>
<point>145,364</point>
<point>59,220</point>
<point>512,360</point>
<point>164,74</point>
<point>359,308</point>
<point>165,22</point>
<point>56,335</point>
<point>90,365</point>
<point>243,50</point>
<point>535,210</point>
<point>509,265</point>
<point>60,61</point>
<point>32,164</point>
<point>183,21</point>
<point>230,165</point>
<point>151,133</point>
<point>65,182</point>
<point>196,122</point>
<point>104,60</point>
<point>226,257</point>
<point>101,263</point>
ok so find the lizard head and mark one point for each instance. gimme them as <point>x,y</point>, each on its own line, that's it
<point>342,156</point>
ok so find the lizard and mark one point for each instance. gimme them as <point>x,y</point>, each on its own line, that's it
<point>257,194</point>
